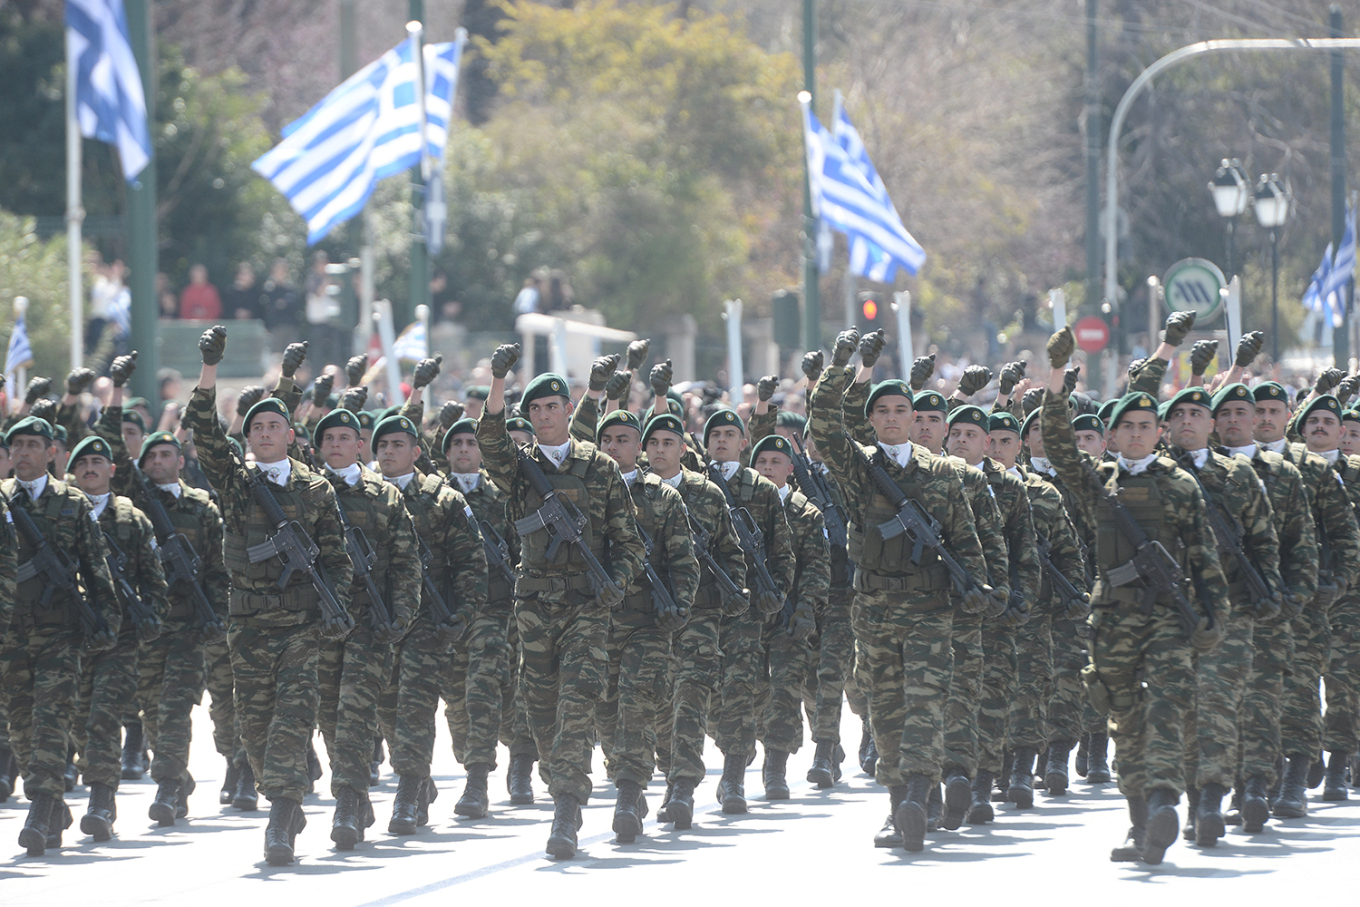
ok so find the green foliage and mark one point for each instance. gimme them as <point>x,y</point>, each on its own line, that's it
<point>35,268</point>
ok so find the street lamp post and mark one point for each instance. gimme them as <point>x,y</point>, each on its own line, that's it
<point>1231,190</point>
<point>1272,210</point>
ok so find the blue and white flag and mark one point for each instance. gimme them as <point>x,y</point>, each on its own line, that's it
<point>110,103</point>
<point>845,196</point>
<point>20,352</point>
<point>866,258</point>
<point>1333,287</point>
<point>1312,297</point>
<point>412,343</point>
<point>368,128</point>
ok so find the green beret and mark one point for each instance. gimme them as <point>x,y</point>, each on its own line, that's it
<point>396,423</point>
<point>133,402</point>
<point>618,417</point>
<point>1003,422</point>
<point>674,407</point>
<point>137,420</point>
<point>461,427</point>
<point>366,420</point>
<point>1270,390</point>
<point>969,414</point>
<point>664,422</point>
<point>1136,402</point>
<point>338,418</point>
<point>29,425</point>
<point>1351,415</point>
<point>1106,410</point>
<point>721,418</point>
<point>1030,421</point>
<point>158,437</point>
<point>1196,396</point>
<point>548,384</point>
<point>1233,393</point>
<point>267,405</point>
<point>1163,410</point>
<point>1325,402</point>
<point>478,392</point>
<point>93,445</point>
<point>387,413</point>
<point>791,420</point>
<point>893,387</point>
<point>59,434</point>
<point>519,423</point>
<point>929,402</point>
<point>1088,422</point>
<point>775,444</point>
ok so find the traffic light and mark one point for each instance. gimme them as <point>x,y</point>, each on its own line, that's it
<point>871,313</point>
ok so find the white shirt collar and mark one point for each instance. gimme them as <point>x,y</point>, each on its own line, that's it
<point>1015,471</point>
<point>1200,456</point>
<point>1044,465</point>
<point>729,469</point>
<point>402,481</point>
<point>1275,446</point>
<point>784,492</point>
<point>350,473</point>
<point>468,481</point>
<point>898,453</point>
<point>1136,467</point>
<point>555,453</point>
<point>1249,451</point>
<point>35,488</point>
<point>675,480</point>
<point>277,472</point>
<point>173,489</point>
<point>1332,455</point>
<point>630,477</point>
<point>99,502</point>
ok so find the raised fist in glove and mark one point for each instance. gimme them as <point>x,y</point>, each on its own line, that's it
<point>354,398</point>
<point>504,359</point>
<point>601,370</point>
<point>637,353</point>
<point>803,623</point>
<point>1178,325</point>
<point>871,347</point>
<point>249,397</point>
<point>46,408</point>
<point>846,344</point>
<point>768,603</point>
<point>1032,400</point>
<point>321,390</point>
<point>1249,347</point>
<point>1070,379</point>
<point>1329,379</point>
<point>1347,388</point>
<point>660,377</point>
<point>122,369</point>
<point>766,387</point>
<point>212,346</point>
<point>611,595</point>
<point>975,378</point>
<point>734,605</point>
<point>620,383</point>
<point>1207,635</point>
<point>1012,373</point>
<point>149,629</point>
<point>354,370</point>
<point>37,389</point>
<point>78,380</point>
<point>294,354</point>
<point>1060,347</point>
<point>813,363</point>
<point>921,370</point>
<point>426,371</point>
<point>450,631</point>
<point>1201,354</point>
<point>450,413</point>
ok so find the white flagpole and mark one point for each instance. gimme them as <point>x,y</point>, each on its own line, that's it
<point>416,30</point>
<point>423,316</point>
<point>74,212</point>
<point>906,347</point>
<point>383,312</point>
<point>734,363</point>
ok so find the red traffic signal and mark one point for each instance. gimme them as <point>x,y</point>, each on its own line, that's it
<point>868,313</point>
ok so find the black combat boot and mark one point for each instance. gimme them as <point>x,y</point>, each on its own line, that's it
<point>934,807</point>
<point>1055,770</point>
<point>1083,752</point>
<point>911,813</point>
<point>313,767</point>
<point>1317,769</point>
<point>72,774</point>
<point>33,836</point>
<point>1233,814</point>
<point>60,820</point>
<point>429,792</point>
<point>406,805</point>
<point>627,814</point>
<point>374,773</point>
<point>186,787</point>
<point>773,774</point>
<point>100,813</point>
<point>888,835</point>
<point>475,801</point>
<point>838,756</point>
<point>346,829</point>
<point>1255,805</point>
<point>229,783</point>
<point>566,822</point>
<point>980,810</point>
<point>1097,760</point>
<point>1003,780</point>
<point>1162,824</point>
<point>868,750</point>
<point>958,796</point>
<point>520,781</point>
<point>682,805</point>
<point>1293,800</point>
<point>1335,789</point>
<point>664,813</point>
<point>285,821</point>
<point>134,761</point>
<point>162,809</point>
<point>1131,851</point>
<point>822,773</point>
<point>732,785</point>
<point>247,798</point>
<point>1209,824</point>
<point>1020,791</point>
<point>7,774</point>
<point>1191,810</point>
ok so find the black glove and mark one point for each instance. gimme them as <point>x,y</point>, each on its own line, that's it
<point>46,408</point>
<point>1269,609</point>
<point>37,388</point>
<point>504,359</point>
<point>974,379</point>
<point>660,378</point>
<point>1201,354</point>
<point>803,623</point>
<point>601,370</point>
<point>1291,606</point>
<point>1033,399</point>
<point>426,371</point>
<point>610,595</point>
<point>354,370</point>
<point>78,380</point>
<point>321,389</point>
<point>450,413</point>
<point>735,605</point>
<point>101,641</point>
<point>812,365</point>
<point>448,633</point>
<point>149,629</point>
<point>619,385</point>
<point>846,343</point>
<point>1060,347</point>
<point>1178,325</point>
<point>213,344</point>
<point>1347,388</point>
<point>1016,613</point>
<point>1329,379</point>
<point>1011,375</point>
<point>637,353</point>
<point>921,370</point>
<point>672,619</point>
<point>354,398</point>
<point>871,347</point>
<point>1206,636</point>
<point>1249,347</point>
<point>390,634</point>
<point>249,397</point>
<point>766,387</point>
<point>122,369</point>
<point>1079,609</point>
<point>768,603</point>
<point>294,354</point>
<point>1070,379</point>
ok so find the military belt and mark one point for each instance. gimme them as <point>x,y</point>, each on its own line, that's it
<point>567,582</point>
<point>926,581</point>
<point>639,601</point>
<point>707,595</point>
<point>298,598</point>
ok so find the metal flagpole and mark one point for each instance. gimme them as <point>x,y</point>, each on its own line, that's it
<point>74,212</point>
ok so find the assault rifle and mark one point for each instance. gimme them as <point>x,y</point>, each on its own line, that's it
<point>813,484</point>
<point>703,550</point>
<point>443,617</point>
<point>1068,594</point>
<point>562,520</point>
<point>136,609</point>
<point>1228,533</point>
<point>57,569</point>
<point>363,557</point>
<point>180,562</point>
<point>667,611</point>
<point>749,536</point>
<point>497,551</point>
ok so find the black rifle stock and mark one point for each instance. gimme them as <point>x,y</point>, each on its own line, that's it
<point>442,614</point>
<point>58,570</point>
<point>1228,535</point>
<point>363,557</point>
<point>813,484</point>
<point>561,519</point>
<point>661,596</point>
<point>180,562</point>
<point>703,550</point>
<point>497,551</point>
<point>1068,594</point>
<point>136,609</point>
<point>749,536</point>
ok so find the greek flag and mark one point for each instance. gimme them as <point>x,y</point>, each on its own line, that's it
<point>1333,288</point>
<point>848,196</point>
<point>866,258</point>
<point>20,353</point>
<point>366,129</point>
<point>110,104</point>
<point>412,343</point>
<point>1313,300</point>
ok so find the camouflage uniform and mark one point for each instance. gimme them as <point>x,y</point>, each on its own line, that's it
<point>274,637</point>
<point>1341,732</point>
<point>222,708</point>
<point>563,627</point>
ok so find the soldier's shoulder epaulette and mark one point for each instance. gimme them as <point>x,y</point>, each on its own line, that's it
<point>650,479</point>
<point>196,495</point>
<point>800,504</point>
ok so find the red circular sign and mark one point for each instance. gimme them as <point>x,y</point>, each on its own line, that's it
<point>1092,333</point>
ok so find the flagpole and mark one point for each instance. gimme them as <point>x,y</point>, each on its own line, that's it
<point>419,289</point>
<point>74,212</point>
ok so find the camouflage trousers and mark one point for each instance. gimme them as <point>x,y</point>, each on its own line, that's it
<point>4,723</point>
<point>1146,664</point>
<point>1342,680</point>
<point>274,676</point>
<point>1271,657</point>
<point>170,678</point>
<point>476,686</point>
<point>907,649</point>
<point>1213,721</point>
<point>222,705</point>
<point>664,720</point>
<point>350,676</point>
<point>626,717</point>
<point>108,682</point>
<point>699,671</point>
<point>784,687</point>
<point>514,720</point>
<point>406,707</point>
<point>1301,715</point>
<point>564,672</point>
<point>855,696</point>
<point>1070,713</point>
<point>1027,723</point>
<point>743,655</point>
<point>39,681</point>
<point>999,680</point>
<point>965,693</point>
<point>832,660</point>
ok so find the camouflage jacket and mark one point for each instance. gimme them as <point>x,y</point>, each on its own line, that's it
<point>757,494</point>
<point>1148,378</point>
<point>1054,527</point>
<point>661,514</point>
<point>1083,529</point>
<point>812,577</point>
<point>447,534</point>
<point>378,510</point>
<point>128,531</point>
<point>1294,528</point>
<point>431,453</point>
<point>1017,528</point>
<point>8,565</point>
<point>488,506</point>
<point>1334,521</point>
<point>707,507</point>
